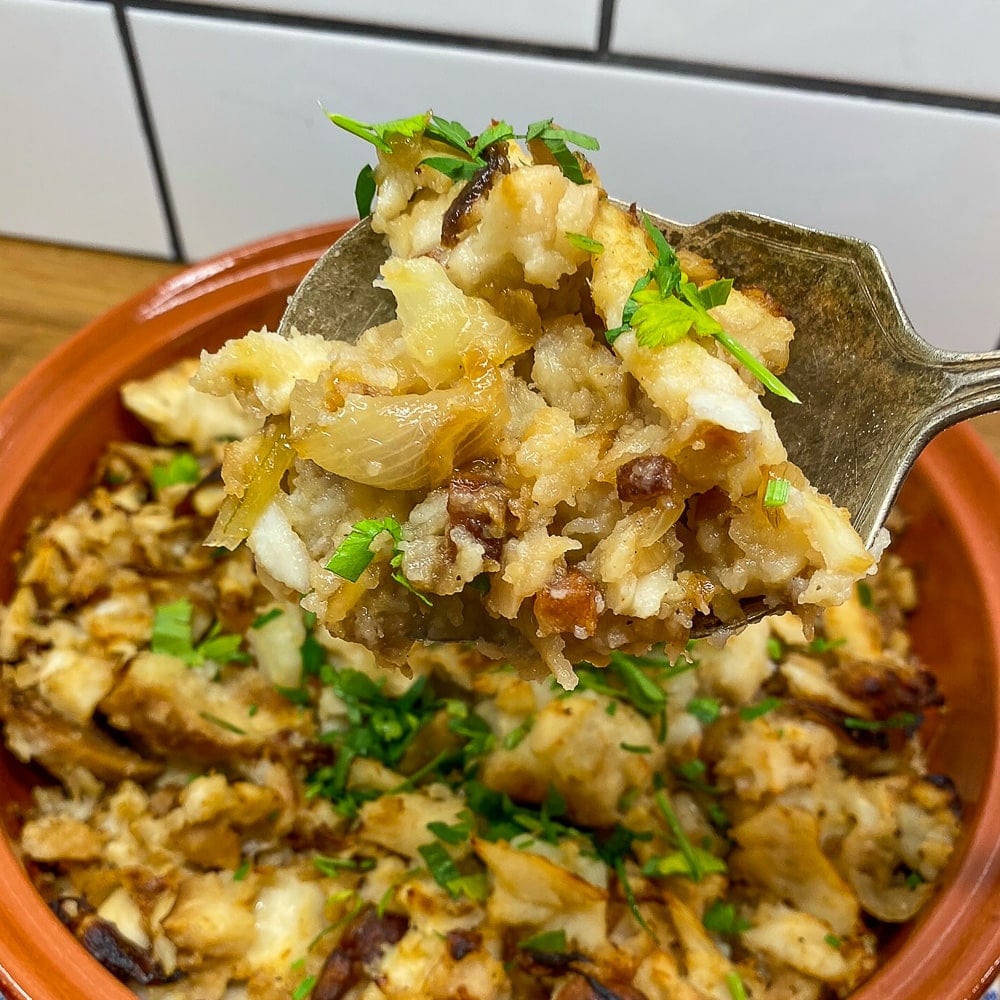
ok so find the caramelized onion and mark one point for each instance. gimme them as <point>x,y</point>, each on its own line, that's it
<point>411,441</point>
<point>252,471</point>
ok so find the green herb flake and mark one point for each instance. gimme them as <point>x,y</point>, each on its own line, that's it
<point>775,649</point>
<point>914,880</point>
<point>440,864</point>
<point>331,866</point>
<point>737,991</point>
<point>182,468</point>
<point>585,243</point>
<point>455,833</point>
<point>364,190</point>
<point>242,871</point>
<point>691,855</point>
<point>901,720</point>
<point>265,617</point>
<point>354,553</point>
<point>865,597</point>
<point>776,492</point>
<point>693,862</point>
<point>545,942</point>
<point>833,941</point>
<point>750,712</point>
<point>705,710</point>
<point>379,134</point>
<point>516,736</point>
<point>171,636</point>
<point>721,918</point>
<point>304,988</point>
<point>665,307</point>
<point>636,747</point>
<point>821,644</point>
<point>222,723</point>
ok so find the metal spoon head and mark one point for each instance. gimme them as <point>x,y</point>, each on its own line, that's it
<point>857,365</point>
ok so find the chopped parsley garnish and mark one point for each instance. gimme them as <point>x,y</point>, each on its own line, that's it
<point>242,871</point>
<point>865,597</point>
<point>775,649</point>
<point>378,133</point>
<point>182,468</point>
<point>901,720</point>
<point>546,942</point>
<point>636,747</point>
<point>737,991</point>
<point>267,616</point>
<point>453,833</point>
<point>444,871</point>
<point>821,644</point>
<point>585,243</point>
<point>330,866</point>
<point>304,989</point>
<point>914,880</point>
<point>470,149</point>
<point>721,918</point>
<point>172,636</point>
<point>665,306</point>
<point>705,710</point>
<point>776,492</point>
<point>222,723</point>
<point>681,863</point>
<point>516,736</point>
<point>354,554</point>
<point>751,712</point>
<point>832,940</point>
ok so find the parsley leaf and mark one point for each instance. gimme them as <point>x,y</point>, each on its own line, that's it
<point>364,190</point>
<point>665,306</point>
<point>750,712</point>
<point>546,942</point>
<point>901,720</point>
<point>705,710</point>
<point>354,553</point>
<point>694,863</point>
<point>379,134</point>
<point>172,636</point>
<point>776,492</point>
<point>584,243</point>
<point>721,918</point>
<point>182,468</point>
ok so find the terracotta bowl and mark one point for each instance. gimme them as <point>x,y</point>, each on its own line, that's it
<point>55,423</point>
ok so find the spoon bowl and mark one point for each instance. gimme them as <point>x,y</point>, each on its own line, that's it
<point>873,393</point>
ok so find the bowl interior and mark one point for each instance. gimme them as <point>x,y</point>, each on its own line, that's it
<point>53,428</point>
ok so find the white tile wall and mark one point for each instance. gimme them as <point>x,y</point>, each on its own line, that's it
<point>248,151</point>
<point>548,22</point>
<point>919,44</point>
<point>74,165</point>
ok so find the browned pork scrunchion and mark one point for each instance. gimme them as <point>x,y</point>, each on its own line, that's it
<point>358,953</point>
<point>123,958</point>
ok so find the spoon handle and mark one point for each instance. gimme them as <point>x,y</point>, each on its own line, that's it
<point>972,387</point>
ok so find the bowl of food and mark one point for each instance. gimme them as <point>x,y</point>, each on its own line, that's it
<point>207,793</point>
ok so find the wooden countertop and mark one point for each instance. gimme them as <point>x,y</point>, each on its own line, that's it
<point>48,292</point>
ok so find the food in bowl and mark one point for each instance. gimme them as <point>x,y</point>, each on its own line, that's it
<point>248,807</point>
<point>559,437</point>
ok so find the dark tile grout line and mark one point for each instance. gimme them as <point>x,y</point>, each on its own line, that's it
<point>606,25</point>
<point>149,130</point>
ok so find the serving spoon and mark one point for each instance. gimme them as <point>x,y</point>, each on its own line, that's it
<point>873,393</point>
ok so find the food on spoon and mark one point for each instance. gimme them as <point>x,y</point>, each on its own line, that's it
<point>249,809</point>
<point>560,436</point>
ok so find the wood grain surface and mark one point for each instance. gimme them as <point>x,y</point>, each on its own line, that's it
<point>48,292</point>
